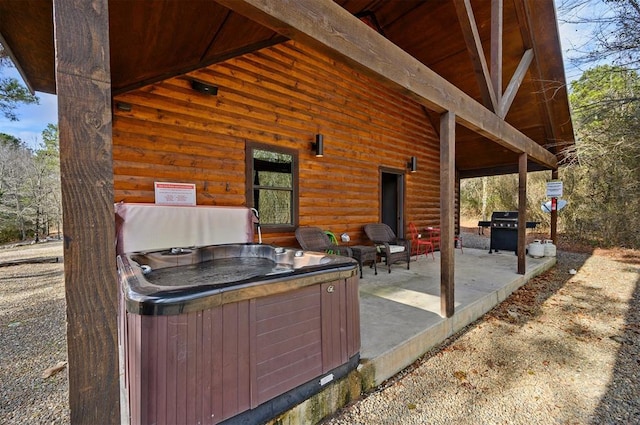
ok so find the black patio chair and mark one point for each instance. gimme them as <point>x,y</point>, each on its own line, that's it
<point>315,239</point>
<point>392,248</point>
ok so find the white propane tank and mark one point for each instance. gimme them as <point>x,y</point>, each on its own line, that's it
<point>549,248</point>
<point>536,249</point>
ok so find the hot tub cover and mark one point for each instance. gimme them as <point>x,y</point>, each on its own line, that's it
<point>146,227</point>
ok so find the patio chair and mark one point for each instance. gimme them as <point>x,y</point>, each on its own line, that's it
<point>392,248</point>
<point>417,242</point>
<point>315,239</point>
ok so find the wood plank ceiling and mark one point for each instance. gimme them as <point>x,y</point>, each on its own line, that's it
<point>149,44</point>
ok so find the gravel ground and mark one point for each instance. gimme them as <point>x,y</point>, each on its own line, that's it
<point>564,349</point>
<point>33,339</point>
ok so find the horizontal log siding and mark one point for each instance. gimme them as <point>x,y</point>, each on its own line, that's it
<point>283,96</point>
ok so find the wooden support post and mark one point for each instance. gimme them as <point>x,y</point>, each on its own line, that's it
<point>83,81</point>
<point>554,214</point>
<point>447,211</point>
<point>522,214</point>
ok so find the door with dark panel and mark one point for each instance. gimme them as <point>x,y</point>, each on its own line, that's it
<point>391,201</point>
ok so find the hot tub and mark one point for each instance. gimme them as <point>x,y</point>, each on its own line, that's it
<point>182,280</point>
<point>234,333</point>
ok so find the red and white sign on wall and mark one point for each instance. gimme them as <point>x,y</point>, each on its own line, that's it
<point>175,193</point>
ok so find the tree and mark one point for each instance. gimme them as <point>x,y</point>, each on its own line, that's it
<point>29,187</point>
<point>9,140</point>
<point>50,147</point>
<point>48,158</point>
<point>14,162</point>
<point>12,93</point>
<point>615,38</point>
<point>603,177</point>
<point>482,195</point>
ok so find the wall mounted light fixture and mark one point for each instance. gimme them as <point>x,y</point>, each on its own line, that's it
<point>204,88</point>
<point>318,146</point>
<point>412,165</point>
<point>123,106</point>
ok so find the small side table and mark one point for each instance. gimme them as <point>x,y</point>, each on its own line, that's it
<point>363,253</point>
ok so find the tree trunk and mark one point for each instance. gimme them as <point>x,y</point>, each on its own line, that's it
<point>484,198</point>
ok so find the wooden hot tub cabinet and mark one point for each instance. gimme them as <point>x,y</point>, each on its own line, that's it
<point>246,355</point>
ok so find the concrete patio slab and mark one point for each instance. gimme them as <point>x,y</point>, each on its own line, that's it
<point>400,311</point>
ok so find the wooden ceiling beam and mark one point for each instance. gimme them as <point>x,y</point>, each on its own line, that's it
<point>497,170</point>
<point>514,84</point>
<point>327,27</point>
<point>490,81</point>
<point>474,47</point>
<point>497,13</point>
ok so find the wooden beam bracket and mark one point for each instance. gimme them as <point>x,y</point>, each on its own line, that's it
<point>514,83</point>
<point>476,52</point>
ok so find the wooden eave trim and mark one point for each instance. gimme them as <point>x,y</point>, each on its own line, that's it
<point>523,13</point>
<point>16,63</point>
<point>476,53</point>
<point>327,27</point>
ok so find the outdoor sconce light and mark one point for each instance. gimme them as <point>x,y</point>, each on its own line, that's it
<point>412,165</point>
<point>204,88</point>
<point>318,146</point>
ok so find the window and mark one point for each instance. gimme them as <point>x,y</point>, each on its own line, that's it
<point>272,186</point>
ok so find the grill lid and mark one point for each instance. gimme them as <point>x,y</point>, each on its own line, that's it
<point>504,215</point>
<point>507,219</point>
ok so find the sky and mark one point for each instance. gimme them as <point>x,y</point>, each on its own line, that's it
<point>33,119</point>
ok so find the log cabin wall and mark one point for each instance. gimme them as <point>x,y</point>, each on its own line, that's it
<point>281,96</point>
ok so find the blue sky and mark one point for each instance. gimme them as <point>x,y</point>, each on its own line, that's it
<point>33,119</point>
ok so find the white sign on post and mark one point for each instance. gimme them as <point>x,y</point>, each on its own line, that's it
<point>175,193</point>
<point>554,189</point>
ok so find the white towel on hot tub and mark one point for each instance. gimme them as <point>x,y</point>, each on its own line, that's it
<point>147,227</point>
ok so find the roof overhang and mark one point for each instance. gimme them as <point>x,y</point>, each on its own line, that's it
<point>438,52</point>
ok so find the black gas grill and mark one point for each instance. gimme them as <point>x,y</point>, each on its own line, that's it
<point>504,231</point>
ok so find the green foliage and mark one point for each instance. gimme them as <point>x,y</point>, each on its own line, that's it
<point>602,174</point>
<point>12,93</point>
<point>603,178</point>
<point>49,151</point>
<point>9,234</point>
<point>9,140</point>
